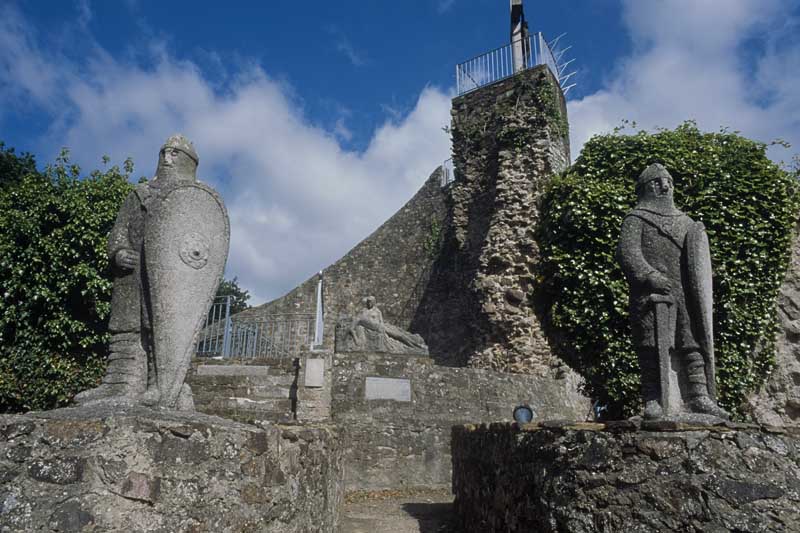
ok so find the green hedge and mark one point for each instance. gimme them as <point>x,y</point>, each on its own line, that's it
<point>749,206</point>
<point>54,279</point>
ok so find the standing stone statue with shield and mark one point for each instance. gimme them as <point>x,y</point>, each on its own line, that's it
<point>168,250</point>
<point>666,259</point>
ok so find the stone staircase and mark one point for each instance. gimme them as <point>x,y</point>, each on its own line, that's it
<point>244,391</point>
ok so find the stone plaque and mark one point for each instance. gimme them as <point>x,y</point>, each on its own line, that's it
<point>388,389</point>
<point>315,372</point>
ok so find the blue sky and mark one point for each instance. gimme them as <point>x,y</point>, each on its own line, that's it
<point>317,120</point>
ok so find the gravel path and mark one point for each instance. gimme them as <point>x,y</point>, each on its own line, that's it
<point>425,511</point>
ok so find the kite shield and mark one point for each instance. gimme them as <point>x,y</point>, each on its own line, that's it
<point>186,240</point>
<point>700,299</point>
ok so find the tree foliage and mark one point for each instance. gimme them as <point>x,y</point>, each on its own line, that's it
<point>749,206</point>
<point>239,296</point>
<point>14,167</point>
<point>54,278</point>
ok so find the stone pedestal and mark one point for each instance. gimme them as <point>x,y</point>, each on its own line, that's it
<point>588,478</point>
<point>135,469</point>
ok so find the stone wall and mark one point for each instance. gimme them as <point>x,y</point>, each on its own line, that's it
<point>245,390</point>
<point>458,265</point>
<point>594,478</point>
<point>112,469</point>
<point>508,139</point>
<point>778,401</point>
<point>393,264</point>
<point>396,413</point>
<point>256,391</point>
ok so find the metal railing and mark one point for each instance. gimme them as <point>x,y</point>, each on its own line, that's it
<point>504,62</point>
<point>448,172</point>
<point>214,338</point>
<point>272,336</point>
<point>279,336</point>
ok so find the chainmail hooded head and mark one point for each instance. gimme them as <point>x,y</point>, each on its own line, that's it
<point>177,162</point>
<point>179,142</point>
<point>656,197</point>
<point>653,172</point>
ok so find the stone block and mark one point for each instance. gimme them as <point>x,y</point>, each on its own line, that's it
<point>315,372</point>
<point>617,478</point>
<point>136,469</point>
<point>376,388</point>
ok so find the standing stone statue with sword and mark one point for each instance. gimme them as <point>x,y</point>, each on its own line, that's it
<point>666,259</point>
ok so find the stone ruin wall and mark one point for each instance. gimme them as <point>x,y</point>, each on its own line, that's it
<point>508,138</point>
<point>457,265</point>
<point>393,264</point>
<point>109,469</point>
<point>585,478</point>
<point>395,414</point>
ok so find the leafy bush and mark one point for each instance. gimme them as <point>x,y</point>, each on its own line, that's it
<point>54,279</point>
<point>749,207</point>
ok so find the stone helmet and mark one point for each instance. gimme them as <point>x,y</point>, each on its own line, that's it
<point>653,172</point>
<point>179,142</point>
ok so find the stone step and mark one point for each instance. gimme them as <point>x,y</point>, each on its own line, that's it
<point>251,371</point>
<point>246,410</point>
<point>239,381</point>
<point>280,365</point>
<point>252,393</point>
<point>247,404</point>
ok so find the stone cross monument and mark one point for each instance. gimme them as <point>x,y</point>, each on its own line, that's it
<point>666,259</point>
<point>168,250</point>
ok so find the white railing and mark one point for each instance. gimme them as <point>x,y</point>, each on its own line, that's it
<point>448,172</point>
<point>504,62</point>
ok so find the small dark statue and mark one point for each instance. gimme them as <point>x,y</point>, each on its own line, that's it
<point>666,259</point>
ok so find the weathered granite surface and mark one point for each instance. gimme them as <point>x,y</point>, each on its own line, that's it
<point>589,478</point>
<point>396,413</point>
<point>667,261</point>
<point>135,469</point>
<point>168,249</point>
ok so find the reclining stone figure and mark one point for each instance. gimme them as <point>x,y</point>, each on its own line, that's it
<point>368,332</point>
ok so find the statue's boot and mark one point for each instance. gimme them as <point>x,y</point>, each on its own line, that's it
<point>699,400</point>
<point>650,386</point>
<point>126,372</point>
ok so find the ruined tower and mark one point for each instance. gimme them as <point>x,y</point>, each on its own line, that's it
<point>510,135</point>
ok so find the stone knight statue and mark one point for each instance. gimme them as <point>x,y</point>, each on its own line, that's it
<point>167,250</point>
<point>666,260</point>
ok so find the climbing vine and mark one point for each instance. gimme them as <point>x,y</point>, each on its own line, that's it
<point>749,206</point>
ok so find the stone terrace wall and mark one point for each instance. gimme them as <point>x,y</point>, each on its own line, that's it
<point>405,442</point>
<point>508,139</point>
<point>393,264</point>
<point>594,478</point>
<point>256,391</point>
<point>112,469</point>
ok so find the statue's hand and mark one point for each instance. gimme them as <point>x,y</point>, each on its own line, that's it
<point>127,258</point>
<point>659,283</point>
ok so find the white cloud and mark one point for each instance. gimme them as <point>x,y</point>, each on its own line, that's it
<point>297,199</point>
<point>733,64</point>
